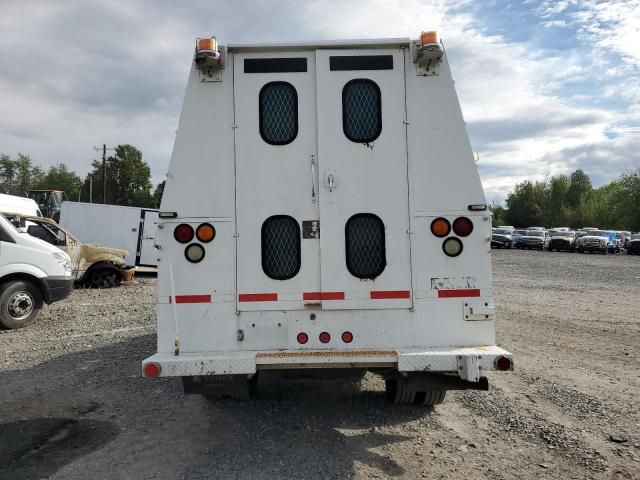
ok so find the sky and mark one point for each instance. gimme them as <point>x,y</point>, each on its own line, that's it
<point>546,87</point>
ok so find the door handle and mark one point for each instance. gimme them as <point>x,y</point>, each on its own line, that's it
<point>313,178</point>
<point>330,180</point>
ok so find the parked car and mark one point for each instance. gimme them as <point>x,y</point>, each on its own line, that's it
<point>501,238</point>
<point>623,236</point>
<point>537,229</point>
<point>597,241</point>
<point>94,265</point>
<point>516,237</point>
<point>633,244</point>
<point>562,240</point>
<point>536,239</point>
<point>32,273</point>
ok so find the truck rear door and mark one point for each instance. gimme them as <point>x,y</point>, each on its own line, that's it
<point>362,159</point>
<point>278,251</point>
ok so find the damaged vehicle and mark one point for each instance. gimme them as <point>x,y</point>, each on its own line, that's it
<point>92,265</point>
<point>501,238</point>
<point>562,240</point>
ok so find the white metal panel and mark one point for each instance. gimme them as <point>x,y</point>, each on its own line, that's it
<point>274,180</point>
<point>370,178</point>
<point>114,226</point>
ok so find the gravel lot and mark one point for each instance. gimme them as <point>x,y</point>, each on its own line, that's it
<point>74,406</point>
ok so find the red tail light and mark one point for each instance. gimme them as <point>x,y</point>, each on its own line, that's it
<point>462,226</point>
<point>347,337</point>
<point>183,233</point>
<point>503,363</point>
<point>325,337</point>
<point>152,370</point>
<point>302,338</point>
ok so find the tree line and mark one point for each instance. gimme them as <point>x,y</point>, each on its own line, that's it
<point>572,201</point>
<point>128,179</point>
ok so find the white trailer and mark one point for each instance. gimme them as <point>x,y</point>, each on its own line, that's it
<point>323,210</point>
<point>129,228</point>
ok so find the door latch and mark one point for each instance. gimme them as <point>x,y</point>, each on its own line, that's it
<point>330,179</point>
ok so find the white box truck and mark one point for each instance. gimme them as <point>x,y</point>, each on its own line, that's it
<point>127,228</point>
<point>323,210</point>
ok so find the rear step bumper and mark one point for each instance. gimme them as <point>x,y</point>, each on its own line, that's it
<point>469,362</point>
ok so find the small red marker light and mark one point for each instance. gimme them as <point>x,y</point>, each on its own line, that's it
<point>183,233</point>
<point>347,337</point>
<point>325,337</point>
<point>151,370</point>
<point>462,226</point>
<point>302,338</point>
<point>503,363</point>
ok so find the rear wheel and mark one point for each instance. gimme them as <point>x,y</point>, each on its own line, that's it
<point>20,304</point>
<point>397,392</point>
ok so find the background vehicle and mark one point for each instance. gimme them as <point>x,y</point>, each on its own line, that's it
<point>129,228</point>
<point>562,240</point>
<point>633,244</point>
<point>333,262</point>
<point>595,241</point>
<point>32,273</point>
<point>516,237</point>
<point>49,202</point>
<point>501,238</point>
<point>21,205</point>
<point>534,239</point>
<point>101,267</point>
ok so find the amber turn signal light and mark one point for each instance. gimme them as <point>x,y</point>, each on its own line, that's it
<point>205,232</point>
<point>440,227</point>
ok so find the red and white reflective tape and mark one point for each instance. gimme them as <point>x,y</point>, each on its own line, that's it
<point>389,294</point>
<point>258,297</point>
<point>459,293</point>
<point>323,296</point>
<point>192,299</point>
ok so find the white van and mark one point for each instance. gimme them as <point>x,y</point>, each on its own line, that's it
<point>32,272</point>
<point>323,210</point>
<point>21,205</point>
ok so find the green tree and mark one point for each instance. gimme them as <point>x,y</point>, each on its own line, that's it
<point>59,177</point>
<point>579,189</point>
<point>128,179</point>
<point>157,193</point>
<point>19,175</point>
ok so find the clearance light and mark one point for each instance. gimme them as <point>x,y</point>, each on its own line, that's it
<point>183,233</point>
<point>478,207</point>
<point>325,337</point>
<point>194,253</point>
<point>462,226</point>
<point>302,338</point>
<point>205,232</point>
<point>440,227</point>
<point>347,337</point>
<point>452,246</point>
<point>503,364</point>
<point>152,370</point>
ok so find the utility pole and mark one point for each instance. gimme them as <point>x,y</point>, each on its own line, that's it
<point>104,170</point>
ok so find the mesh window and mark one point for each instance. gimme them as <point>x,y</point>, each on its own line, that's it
<point>361,111</point>
<point>278,113</point>
<point>280,247</point>
<point>365,245</point>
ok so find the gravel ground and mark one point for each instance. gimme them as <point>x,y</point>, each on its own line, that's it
<point>74,406</point>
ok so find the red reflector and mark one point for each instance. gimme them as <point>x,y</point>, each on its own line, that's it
<point>462,226</point>
<point>347,337</point>
<point>323,296</point>
<point>503,363</point>
<point>192,299</point>
<point>151,370</point>
<point>464,292</point>
<point>382,294</point>
<point>302,338</point>
<point>183,233</point>
<point>258,297</point>
<point>325,337</point>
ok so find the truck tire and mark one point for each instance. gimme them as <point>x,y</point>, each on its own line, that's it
<point>105,277</point>
<point>396,392</point>
<point>20,304</point>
